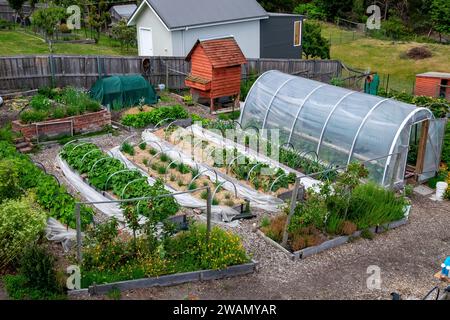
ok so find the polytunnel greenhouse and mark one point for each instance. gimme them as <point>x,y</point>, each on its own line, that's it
<point>339,126</point>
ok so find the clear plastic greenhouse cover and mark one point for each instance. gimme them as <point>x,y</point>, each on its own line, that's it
<point>338,124</point>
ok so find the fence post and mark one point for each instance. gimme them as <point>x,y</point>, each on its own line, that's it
<point>208,213</point>
<point>79,244</point>
<point>167,76</point>
<point>297,186</point>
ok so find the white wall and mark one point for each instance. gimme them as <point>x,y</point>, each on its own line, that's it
<point>245,33</point>
<point>162,38</point>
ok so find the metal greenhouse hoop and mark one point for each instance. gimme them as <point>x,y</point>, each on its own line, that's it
<point>99,160</point>
<point>115,173</point>
<point>84,156</point>
<point>276,180</point>
<point>221,184</point>
<point>161,121</point>
<point>234,159</point>
<point>201,173</point>
<point>129,183</point>
<point>128,138</point>
<point>251,170</point>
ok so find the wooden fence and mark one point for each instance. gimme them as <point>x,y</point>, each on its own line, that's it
<point>31,72</point>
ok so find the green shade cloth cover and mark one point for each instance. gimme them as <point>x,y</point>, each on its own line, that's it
<point>119,92</point>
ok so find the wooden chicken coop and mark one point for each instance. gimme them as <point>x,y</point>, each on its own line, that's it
<point>216,71</point>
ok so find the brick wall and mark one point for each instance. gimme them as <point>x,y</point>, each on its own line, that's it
<point>89,122</point>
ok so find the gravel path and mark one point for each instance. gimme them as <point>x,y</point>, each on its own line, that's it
<point>408,258</point>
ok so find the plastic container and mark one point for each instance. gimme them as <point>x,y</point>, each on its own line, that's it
<point>161,87</point>
<point>441,187</point>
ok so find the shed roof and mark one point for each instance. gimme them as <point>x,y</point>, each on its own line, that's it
<point>179,14</point>
<point>221,52</point>
<point>124,10</point>
<point>441,75</point>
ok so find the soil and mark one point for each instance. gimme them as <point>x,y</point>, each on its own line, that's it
<point>11,108</point>
<point>173,177</point>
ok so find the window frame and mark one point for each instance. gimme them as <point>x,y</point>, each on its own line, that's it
<point>299,37</point>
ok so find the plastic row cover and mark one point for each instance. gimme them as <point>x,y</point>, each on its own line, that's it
<point>257,199</point>
<point>340,125</point>
<point>226,143</point>
<point>220,213</point>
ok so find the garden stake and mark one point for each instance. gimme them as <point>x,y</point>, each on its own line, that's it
<point>78,218</point>
<point>291,210</point>
<point>208,213</point>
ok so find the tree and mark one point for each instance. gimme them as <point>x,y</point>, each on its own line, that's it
<point>279,5</point>
<point>17,5</point>
<point>97,17</point>
<point>313,44</point>
<point>124,34</point>
<point>48,18</point>
<point>440,17</point>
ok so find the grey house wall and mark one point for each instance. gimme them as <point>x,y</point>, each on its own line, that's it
<point>277,37</point>
<point>247,35</point>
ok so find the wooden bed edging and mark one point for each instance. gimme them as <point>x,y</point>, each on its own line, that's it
<point>171,279</point>
<point>333,243</point>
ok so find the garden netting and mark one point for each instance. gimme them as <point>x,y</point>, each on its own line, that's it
<point>119,92</point>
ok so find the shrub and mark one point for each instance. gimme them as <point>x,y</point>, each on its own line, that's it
<point>40,103</point>
<point>418,53</point>
<point>142,145</point>
<point>38,267</point>
<point>152,151</point>
<point>348,228</point>
<point>31,116</point>
<point>58,113</point>
<point>9,180</point>
<point>162,170</point>
<point>192,186</point>
<point>21,222</point>
<point>276,228</point>
<point>190,251</point>
<point>127,148</point>
<point>164,157</point>
<point>446,146</point>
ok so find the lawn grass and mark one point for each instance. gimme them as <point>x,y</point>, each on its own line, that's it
<point>384,56</point>
<point>20,42</point>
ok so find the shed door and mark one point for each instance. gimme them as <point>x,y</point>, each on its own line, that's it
<point>432,157</point>
<point>145,42</point>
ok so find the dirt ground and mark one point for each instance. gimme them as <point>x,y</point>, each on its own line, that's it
<point>408,258</point>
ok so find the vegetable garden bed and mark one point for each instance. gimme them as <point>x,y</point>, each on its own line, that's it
<point>257,175</point>
<point>54,113</point>
<point>178,175</point>
<point>332,215</point>
<point>171,279</point>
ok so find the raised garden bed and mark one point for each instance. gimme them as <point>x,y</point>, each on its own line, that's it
<point>336,213</point>
<point>53,113</point>
<point>230,162</point>
<point>171,279</point>
<point>179,176</point>
<point>332,243</point>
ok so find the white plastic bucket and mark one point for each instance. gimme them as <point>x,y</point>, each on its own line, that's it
<point>440,190</point>
<point>161,87</point>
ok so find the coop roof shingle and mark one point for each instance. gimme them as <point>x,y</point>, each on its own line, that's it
<point>221,52</point>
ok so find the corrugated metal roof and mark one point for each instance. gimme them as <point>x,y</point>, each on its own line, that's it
<point>442,75</point>
<point>189,13</point>
<point>222,52</point>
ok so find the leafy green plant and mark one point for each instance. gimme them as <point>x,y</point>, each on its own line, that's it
<point>155,116</point>
<point>38,267</point>
<point>127,148</point>
<point>192,186</point>
<point>162,170</point>
<point>142,145</point>
<point>21,222</point>
<point>164,157</point>
<point>31,116</point>
<point>152,151</point>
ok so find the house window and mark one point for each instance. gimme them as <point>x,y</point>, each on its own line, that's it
<point>297,33</point>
